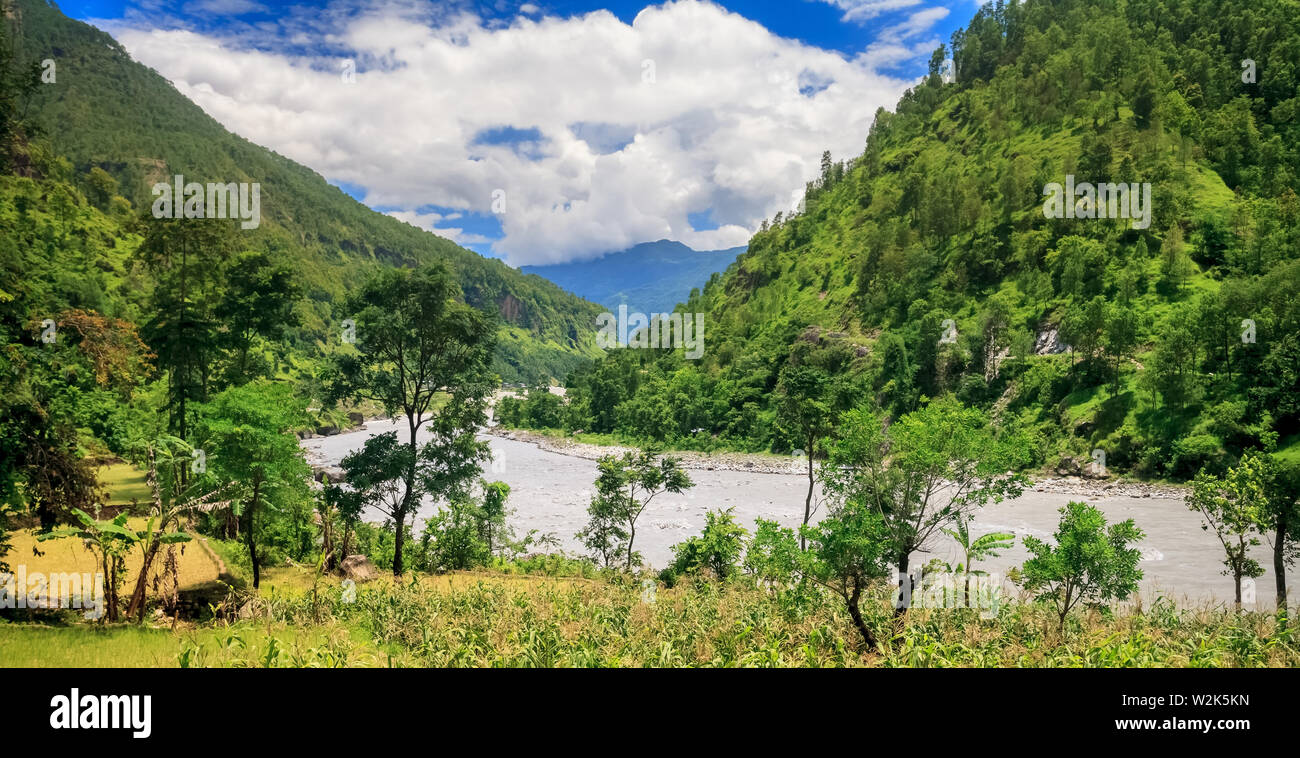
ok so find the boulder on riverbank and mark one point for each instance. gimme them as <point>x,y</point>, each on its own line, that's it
<point>358,568</point>
<point>330,474</point>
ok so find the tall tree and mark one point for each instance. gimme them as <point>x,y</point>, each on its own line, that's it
<point>1282,490</point>
<point>928,470</point>
<point>1234,507</point>
<point>625,485</point>
<point>185,257</point>
<point>247,434</point>
<point>804,409</point>
<point>1120,338</point>
<point>422,353</point>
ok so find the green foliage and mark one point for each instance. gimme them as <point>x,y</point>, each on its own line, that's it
<point>1090,562</point>
<point>250,451</point>
<point>6,512</point>
<point>852,549</point>
<point>424,354</point>
<point>773,555</point>
<point>1235,507</point>
<point>467,532</point>
<point>717,549</point>
<point>451,539</point>
<point>984,546</point>
<point>539,409</point>
<point>625,485</point>
<point>941,218</point>
<point>931,469</point>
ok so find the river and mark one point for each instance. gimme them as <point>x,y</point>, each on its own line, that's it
<point>549,492</point>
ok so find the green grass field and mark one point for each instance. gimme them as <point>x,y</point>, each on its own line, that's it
<point>245,644</point>
<point>494,620</point>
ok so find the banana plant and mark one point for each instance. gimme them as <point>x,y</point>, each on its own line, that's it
<point>110,541</point>
<point>984,546</point>
<point>163,527</point>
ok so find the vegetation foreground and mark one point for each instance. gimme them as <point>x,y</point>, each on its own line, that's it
<point>913,289</point>
<point>495,619</point>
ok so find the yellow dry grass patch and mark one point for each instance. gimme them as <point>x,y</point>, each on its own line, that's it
<point>71,556</point>
<point>301,578</point>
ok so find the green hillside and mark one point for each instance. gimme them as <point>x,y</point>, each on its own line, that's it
<point>942,217</point>
<point>108,112</point>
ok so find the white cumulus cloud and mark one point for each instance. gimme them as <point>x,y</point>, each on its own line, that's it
<point>631,128</point>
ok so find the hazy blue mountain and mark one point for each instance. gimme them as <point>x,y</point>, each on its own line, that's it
<point>649,278</point>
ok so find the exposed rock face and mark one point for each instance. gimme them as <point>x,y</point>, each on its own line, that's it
<point>1080,467</point>
<point>510,308</point>
<point>358,568</point>
<point>1048,342</point>
<point>356,418</point>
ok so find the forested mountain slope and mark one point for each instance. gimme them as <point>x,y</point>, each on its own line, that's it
<point>1169,345</point>
<point>107,112</point>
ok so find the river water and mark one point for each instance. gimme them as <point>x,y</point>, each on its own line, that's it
<point>550,491</point>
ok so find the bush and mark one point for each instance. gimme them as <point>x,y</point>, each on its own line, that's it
<point>1197,452</point>
<point>773,554</point>
<point>717,549</point>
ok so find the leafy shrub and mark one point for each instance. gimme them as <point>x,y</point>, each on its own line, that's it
<point>717,549</point>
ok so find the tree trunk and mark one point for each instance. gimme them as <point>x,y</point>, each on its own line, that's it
<point>1279,562</point>
<point>184,373</point>
<point>399,518</point>
<point>856,615</point>
<point>248,536</point>
<point>137,597</point>
<point>110,596</point>
<point>904,597</point>
<point>1236,577</point>
<point>807,501</point>
<point>399,541</point>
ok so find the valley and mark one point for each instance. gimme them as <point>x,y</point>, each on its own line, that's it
<point>417,396</point>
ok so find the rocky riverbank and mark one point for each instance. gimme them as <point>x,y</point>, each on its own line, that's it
<point>766,463</point>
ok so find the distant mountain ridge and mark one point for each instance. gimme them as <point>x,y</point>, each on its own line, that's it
<point>651,277</point>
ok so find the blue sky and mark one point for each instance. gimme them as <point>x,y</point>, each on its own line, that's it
<point>814,22</point>
<point>546,131</point>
